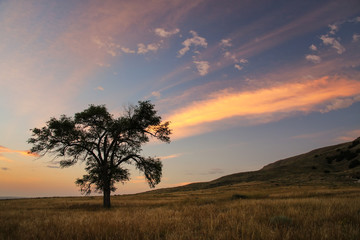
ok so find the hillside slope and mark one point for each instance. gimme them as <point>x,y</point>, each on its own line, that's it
<point>332,165</point>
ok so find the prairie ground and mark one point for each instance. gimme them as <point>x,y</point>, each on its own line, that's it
<point>242,211</point>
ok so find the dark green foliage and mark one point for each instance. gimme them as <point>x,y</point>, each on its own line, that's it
<point>354,163</point>
<point>105,143</point>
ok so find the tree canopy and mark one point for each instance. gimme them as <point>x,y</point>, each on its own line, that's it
<point>105,143</point>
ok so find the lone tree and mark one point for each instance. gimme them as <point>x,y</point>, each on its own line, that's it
<point>105,143</point>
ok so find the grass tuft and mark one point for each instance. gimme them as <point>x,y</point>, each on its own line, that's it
<point>237,196</point>
<point>281,221</point>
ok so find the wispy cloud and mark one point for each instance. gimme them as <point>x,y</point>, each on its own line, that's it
<point>340,103</point>
<point>194,41</point>
<point>286,98</point>
<point>225,43</point>
<point>313,58</point>
<point>138,179</point>
<point>313,47</point>
<point>108,45</point>
<point>127,50</point>
<point>63,52</point>
<point>356,37</point>
<point>333,28</point>
<point>310,135</point>
<point>163,33</point>
<point>171,156</point>
<point>235,58</point>
<point>156,94</point>
<point>349,136</point>
<point>333,43</point>
<point>202,67</point>
<point>238,67</point>
<point>22,152</point>
<point>356,19</point>
<point>11,151</point>
<point>152,47</point>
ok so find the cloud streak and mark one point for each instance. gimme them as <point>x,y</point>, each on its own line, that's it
<point>22,152</point>
<point>11,151</point>
<point>277,100</point>
<point>170,156</point>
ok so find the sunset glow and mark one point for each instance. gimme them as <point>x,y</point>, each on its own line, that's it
<point>242,83</point>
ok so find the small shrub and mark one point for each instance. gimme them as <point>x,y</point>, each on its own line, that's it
<point>313,167</point>
<point>239,196</point>
<point>354,163</point>
<point>326,171</point>
<point>329,160</point>
<point>280,221</point>
<point>354,143</point>
<point>348,155</point>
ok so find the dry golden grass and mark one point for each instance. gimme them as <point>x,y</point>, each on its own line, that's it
<point>247,211</point>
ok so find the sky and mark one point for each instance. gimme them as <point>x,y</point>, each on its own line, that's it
<point>244,83</point>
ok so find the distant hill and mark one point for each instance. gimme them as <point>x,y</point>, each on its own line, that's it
<point>332,165</point>
<point>9,197</point>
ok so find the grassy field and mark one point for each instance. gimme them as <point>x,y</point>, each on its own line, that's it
<point>242,211</point>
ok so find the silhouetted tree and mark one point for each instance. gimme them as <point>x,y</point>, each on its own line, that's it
<point>105,143</point>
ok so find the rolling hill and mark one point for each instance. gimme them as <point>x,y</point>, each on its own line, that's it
<point>332,166</point>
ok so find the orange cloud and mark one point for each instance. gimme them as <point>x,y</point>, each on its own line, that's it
<point>138,179</point>
<point>285,98</point>
<point>8,150</point>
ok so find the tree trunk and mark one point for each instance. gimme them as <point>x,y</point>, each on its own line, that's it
<point>106,191</point>
<point>106,188</point>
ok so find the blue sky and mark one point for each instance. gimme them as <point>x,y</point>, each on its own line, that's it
<point>244,83</point>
